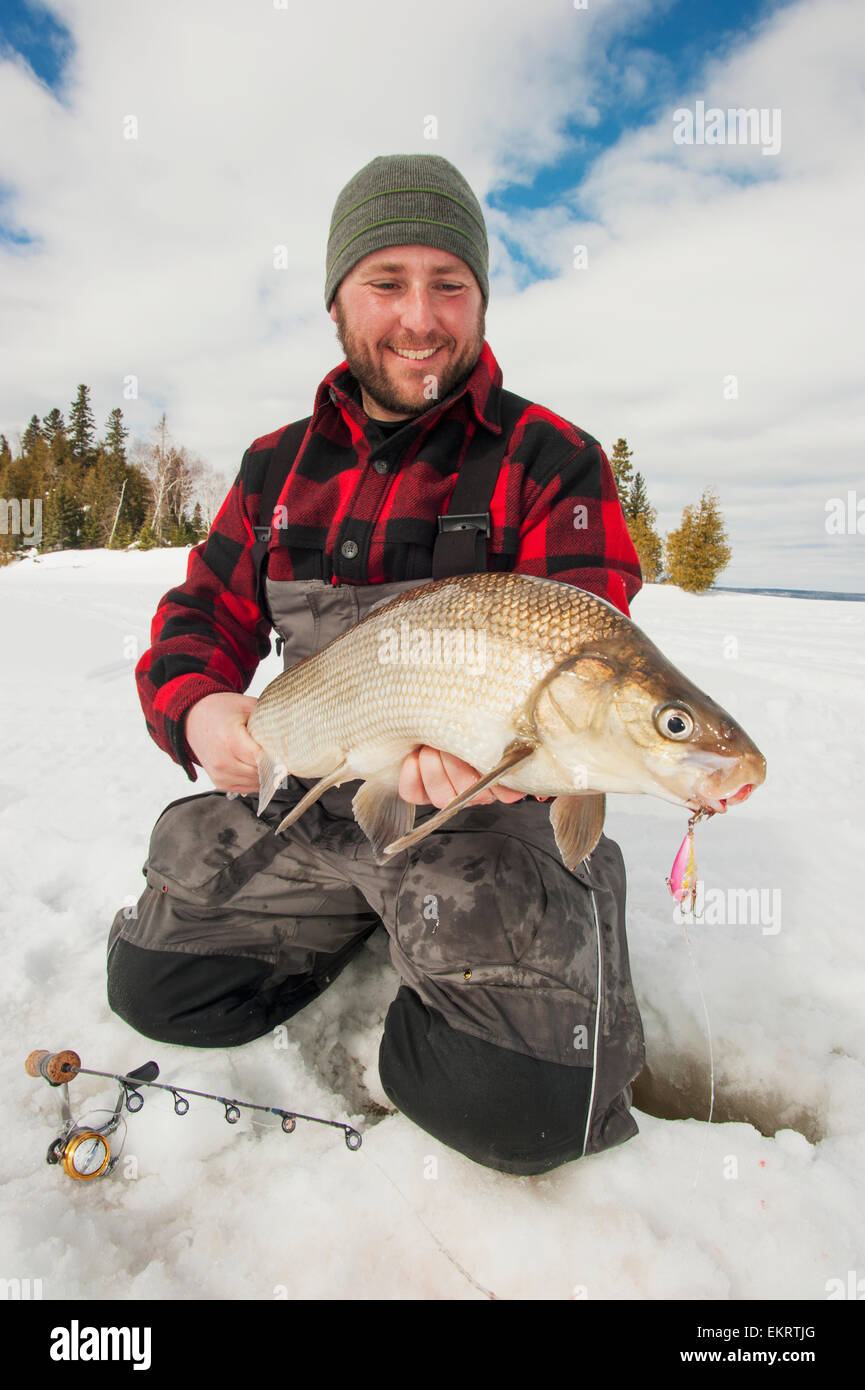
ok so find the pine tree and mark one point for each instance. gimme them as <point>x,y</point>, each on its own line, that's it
<point>641,519</point>
<point>135,500</point>
<point>99,496</point>
<point>62,518</point>
<point>122,537</point>
<point>638,499</point>
<point>115,433</point>
<point>648,545</point>
<point>698,550</point>
<point>32,433</point>
<point>620,462</point>
<point>53,424</point>
<point>82,427</point>
<point>5,451</point>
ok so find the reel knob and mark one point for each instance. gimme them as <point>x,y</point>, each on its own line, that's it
<point>55,1067</point>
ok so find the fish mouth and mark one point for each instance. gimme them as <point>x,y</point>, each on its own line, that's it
<point>718,804</point>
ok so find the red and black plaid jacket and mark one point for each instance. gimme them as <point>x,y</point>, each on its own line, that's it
<point>209,633</point>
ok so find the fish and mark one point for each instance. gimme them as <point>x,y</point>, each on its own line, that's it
<point>539,685</point>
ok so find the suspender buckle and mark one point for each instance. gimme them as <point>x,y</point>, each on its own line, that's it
<point>470,521</point>
<point>262,533</point>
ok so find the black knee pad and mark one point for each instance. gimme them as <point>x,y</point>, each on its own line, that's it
<point>214,1000</point>
<point>500,1108</point>
<point>198,1001</point>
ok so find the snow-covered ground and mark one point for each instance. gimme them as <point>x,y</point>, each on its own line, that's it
<point>768,1201</point>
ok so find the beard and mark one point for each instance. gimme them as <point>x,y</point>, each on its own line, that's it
<point>374,378</point>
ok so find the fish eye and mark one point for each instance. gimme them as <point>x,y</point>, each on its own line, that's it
<point>674,722</point>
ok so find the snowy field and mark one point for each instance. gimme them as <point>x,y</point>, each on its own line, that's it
<point>766,1202</point>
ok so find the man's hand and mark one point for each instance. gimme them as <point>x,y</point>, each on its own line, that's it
<point>215,729</point>
<point>428,775</point>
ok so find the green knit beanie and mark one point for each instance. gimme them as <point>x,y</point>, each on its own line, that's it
<point>406,200</point>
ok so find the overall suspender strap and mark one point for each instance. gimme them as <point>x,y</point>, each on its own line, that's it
<point>461,544</point>
<point>281,461</point>
<point>463,530</point>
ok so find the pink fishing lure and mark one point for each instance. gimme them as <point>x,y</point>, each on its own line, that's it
<point>682,882</point>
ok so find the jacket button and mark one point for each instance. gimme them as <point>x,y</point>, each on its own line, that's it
<point>348,549</point>
<point>381,466</point>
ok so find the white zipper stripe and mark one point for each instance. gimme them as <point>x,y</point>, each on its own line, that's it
<point>597,1016</point>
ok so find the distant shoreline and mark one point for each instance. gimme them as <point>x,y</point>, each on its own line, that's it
<point>791,593</point>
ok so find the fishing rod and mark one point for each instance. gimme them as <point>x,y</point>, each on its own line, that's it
<point>84,1151</point>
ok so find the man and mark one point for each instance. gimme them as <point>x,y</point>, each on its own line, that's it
<point>515,1033</point>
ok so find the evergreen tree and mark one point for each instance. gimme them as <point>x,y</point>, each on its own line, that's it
<point>122,537</point>
<point>62,518</point>
<point>59,450</point>
<point>641,519</point>
<point>5,451</point>
<point>115,434</point>
<point>30,436</point>
<point>638,499</point>
<point>99,496</point>
<point>648,545</point>
<point>135,501</point>
<point>82,427</point>
<point>53,424</point>
<point>698,550</point>
<point>620,462</point>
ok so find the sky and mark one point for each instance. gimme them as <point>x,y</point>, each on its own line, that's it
<point>156,156</point>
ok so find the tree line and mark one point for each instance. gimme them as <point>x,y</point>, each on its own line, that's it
<point>691,556</point>
<point>92,495</point>
<point>97,492</point>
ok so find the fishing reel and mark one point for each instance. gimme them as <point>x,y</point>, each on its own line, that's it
<point>86,1151</point>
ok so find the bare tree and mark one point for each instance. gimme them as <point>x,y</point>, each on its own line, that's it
<point>178,479</point>
<point>212,492</point>
<point>156,460</point>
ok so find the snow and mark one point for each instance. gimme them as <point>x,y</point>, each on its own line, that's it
<point>766,1202</point>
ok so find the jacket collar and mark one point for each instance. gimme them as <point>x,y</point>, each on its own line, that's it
<point>482,388</point>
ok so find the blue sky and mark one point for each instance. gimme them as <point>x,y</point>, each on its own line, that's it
<point>38,36</point>
<point>672,43</point>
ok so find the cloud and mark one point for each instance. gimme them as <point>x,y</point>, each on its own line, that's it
<point>154,256</point>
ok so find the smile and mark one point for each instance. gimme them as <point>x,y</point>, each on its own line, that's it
<point>414,356</point>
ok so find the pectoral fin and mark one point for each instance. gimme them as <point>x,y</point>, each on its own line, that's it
<point>342,773</point>
<point>270,776</point>
<point>577,823</point>
<point>514,754</point>
<point>381,812</point>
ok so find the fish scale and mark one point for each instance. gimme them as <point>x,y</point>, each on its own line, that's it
<point>345,692</point>
<point>535,683</point>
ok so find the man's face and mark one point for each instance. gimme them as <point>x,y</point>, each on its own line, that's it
<point>409,299</point>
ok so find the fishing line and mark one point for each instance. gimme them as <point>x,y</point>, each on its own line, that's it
<point>487,1293</point>
<point>708,1036</point>
<point>709,1043</point>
